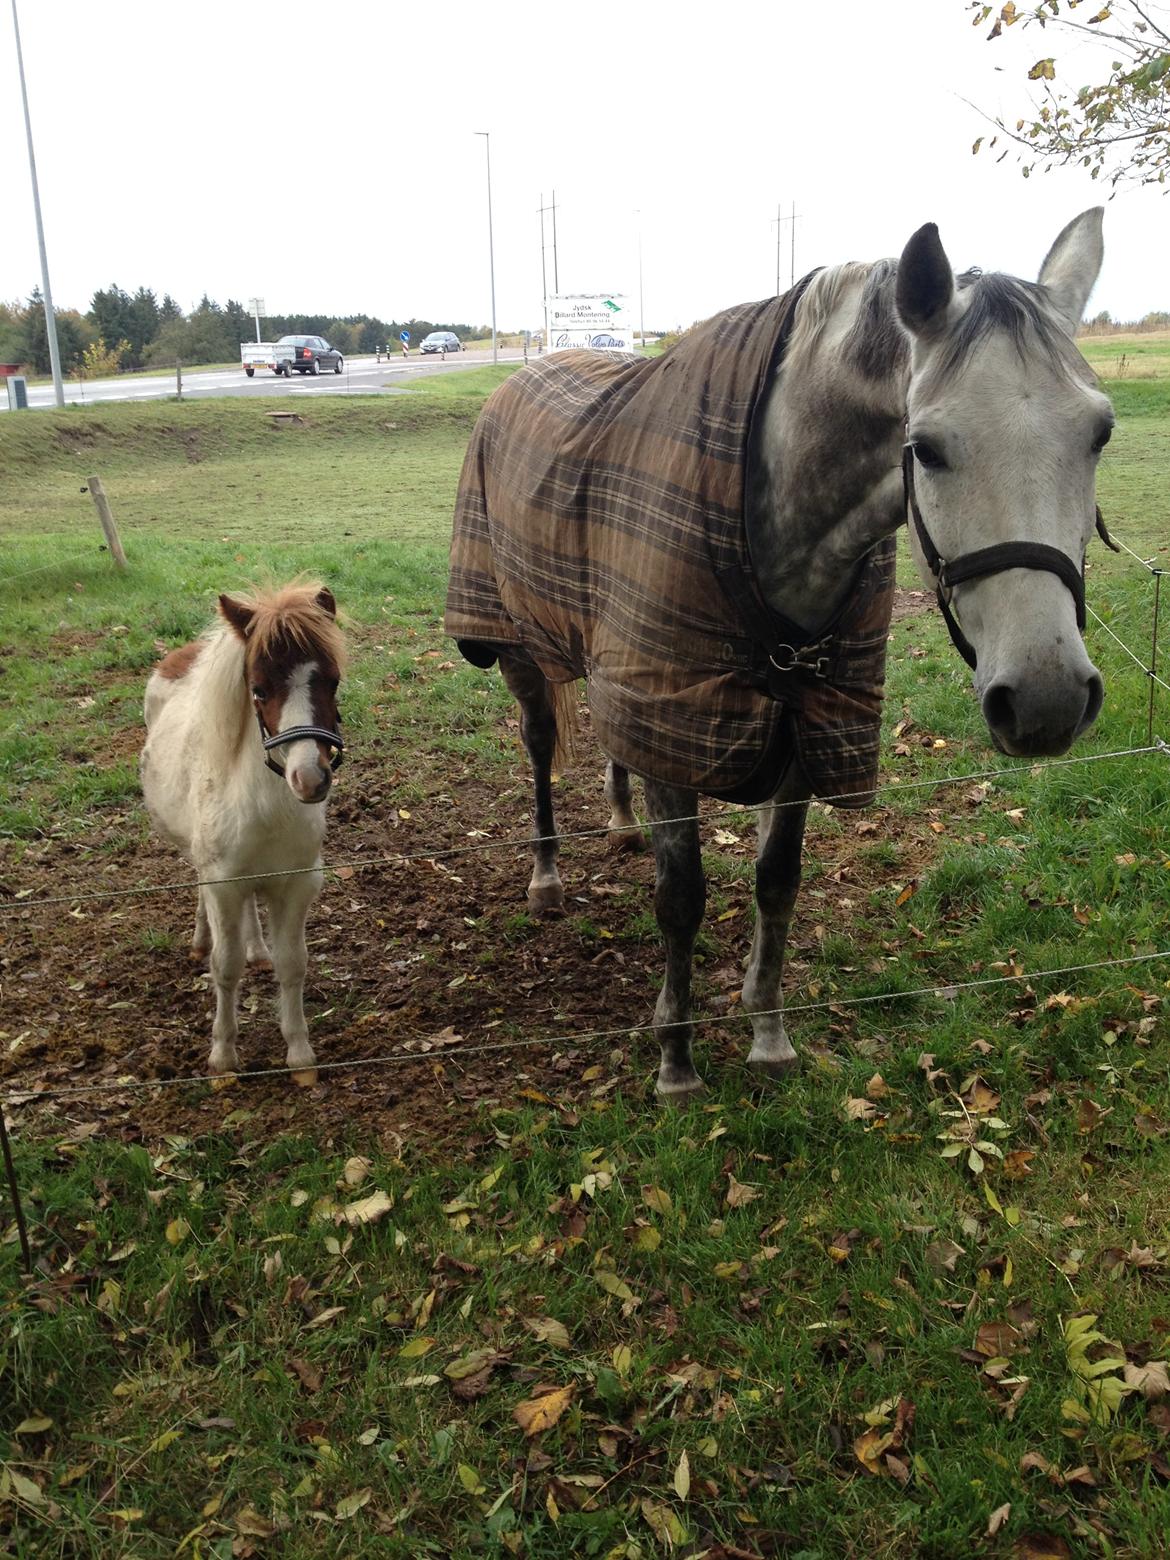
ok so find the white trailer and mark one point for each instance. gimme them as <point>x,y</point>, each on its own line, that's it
<point>266,354</point>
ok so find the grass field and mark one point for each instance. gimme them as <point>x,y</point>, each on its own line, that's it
<point>844,1318</point>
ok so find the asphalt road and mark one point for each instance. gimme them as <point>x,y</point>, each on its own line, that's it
<point>361,376</point>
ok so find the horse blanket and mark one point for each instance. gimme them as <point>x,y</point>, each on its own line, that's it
<point>601,526</point>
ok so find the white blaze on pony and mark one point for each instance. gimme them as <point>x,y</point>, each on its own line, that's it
<point>262,681</point>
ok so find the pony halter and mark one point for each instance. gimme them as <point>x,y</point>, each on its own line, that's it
<point>990,560</point>
<point>331,739</point>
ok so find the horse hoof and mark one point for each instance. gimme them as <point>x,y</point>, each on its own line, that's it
<point>198,955</point>
<point>547,900</point>
<point>305,1077</point>
<point>679,1095</point>
<point>777,1065</point>
<point>627,841</point>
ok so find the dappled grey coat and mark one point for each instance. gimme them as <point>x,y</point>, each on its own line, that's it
<point>599,520</point>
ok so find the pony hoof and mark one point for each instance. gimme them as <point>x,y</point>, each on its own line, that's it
<point>198,955</point>
<point>679,1095</point>
<point>627,841</point>
<point>775,1064</point>
<point>305,1077</point>
<point>547,900</point>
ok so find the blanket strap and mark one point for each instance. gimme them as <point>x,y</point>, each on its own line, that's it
<point>778,646</point>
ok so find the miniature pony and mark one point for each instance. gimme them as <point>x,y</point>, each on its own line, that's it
<point>262,679</point>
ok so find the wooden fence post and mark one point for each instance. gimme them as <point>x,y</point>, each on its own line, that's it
<point>102,505</point>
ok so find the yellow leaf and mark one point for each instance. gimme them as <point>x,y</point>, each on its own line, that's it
<point>161,1442</point>
<point>552,1508</point>
<point>623,1358</point>
<point>177,1231</point>
<point>470,1480</point>
<point>647,1238</point>
<point>739,1193</point>
<point>548,1330</point>
<point>682,1477</point>
<point>123,1514</point>
<point>656,1199</point>
<point>356,1170</point>
<point>35,1425</point>
<point>726,1269</point>
<point>613,1285</point>
<point>537,1414</point>
<point>416,1348</point>
<point>352,1504</point>
<point>24,1489</point>
<point>1043,70</point>
<point>491,1178</point>
<point>368,1210</point>
<point>469,1364</point>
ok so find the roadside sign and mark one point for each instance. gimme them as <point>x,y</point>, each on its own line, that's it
<point>600,321</point>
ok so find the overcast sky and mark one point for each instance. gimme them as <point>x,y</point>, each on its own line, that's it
<point>323,155</point>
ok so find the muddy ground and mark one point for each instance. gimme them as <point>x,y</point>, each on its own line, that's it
<point>411,960</point>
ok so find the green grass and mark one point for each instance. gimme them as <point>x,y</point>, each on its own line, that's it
<point>221,1358</point>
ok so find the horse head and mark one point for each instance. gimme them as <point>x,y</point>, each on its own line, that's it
<point>1004,427</point>
<point>292,666</point>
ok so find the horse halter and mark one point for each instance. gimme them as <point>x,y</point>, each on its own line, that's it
<point>990,560</point>
<point>332,740</point>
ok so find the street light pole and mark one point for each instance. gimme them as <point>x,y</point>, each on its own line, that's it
<point>46,290</point>
<point>487,141</point>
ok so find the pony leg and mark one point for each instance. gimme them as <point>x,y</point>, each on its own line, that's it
<point>225,913</point>
<point>781,836</point>
<point>679,896</point>
<point>201,936</point>
<point>538,726</point>
<point>256,948</point>
<point>288,907</point>
<point>625,833</point>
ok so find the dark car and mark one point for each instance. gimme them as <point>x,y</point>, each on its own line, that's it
<point>441,341</point>
<point>312,354</point>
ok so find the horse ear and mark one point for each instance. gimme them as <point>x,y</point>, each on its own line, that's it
<point>1072,265</point>
<point>236,615</point>
<point>925,283</point>
<point>325,600</point>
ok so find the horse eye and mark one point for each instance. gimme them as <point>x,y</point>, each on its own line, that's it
<point>1102,440</point>
<point>258,693</point>
<point>927,456</point>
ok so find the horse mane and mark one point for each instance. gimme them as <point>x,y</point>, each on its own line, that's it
<point>292,613</point>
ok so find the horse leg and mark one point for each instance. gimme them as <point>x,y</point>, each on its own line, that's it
<point>679,895</point>
<point>201,937</point>
<point>225,913</point>
<point>288,906</point>
<point>256,948</point>
<point>781,837</point>
<point>623,825</point>
<point>538,726</point>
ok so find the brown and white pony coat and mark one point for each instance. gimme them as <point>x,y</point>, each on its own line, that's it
<point>270,666</point>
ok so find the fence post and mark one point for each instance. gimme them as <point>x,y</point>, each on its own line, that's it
<point>179,378</point>
<point>102,505</point>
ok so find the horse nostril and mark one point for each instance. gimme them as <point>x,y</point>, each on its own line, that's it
<point>999,707</point>
<point>1093,701</point>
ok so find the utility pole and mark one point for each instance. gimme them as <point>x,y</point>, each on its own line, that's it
<point>46,290</point>
<point>779,219</point>
<point>641,307</point>
<point>487,141</point>
<point>556,276</point>
<point>543,271</point>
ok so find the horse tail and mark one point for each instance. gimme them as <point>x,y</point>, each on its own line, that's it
<point>564,703</point>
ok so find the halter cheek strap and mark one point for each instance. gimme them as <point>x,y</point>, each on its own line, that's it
<point>331,739</point>
<point>989,560</point>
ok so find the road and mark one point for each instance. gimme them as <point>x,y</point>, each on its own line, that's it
<point>362,376</point>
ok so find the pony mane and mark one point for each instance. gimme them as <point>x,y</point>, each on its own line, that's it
<point>292,612</point>
<point>1020,309</point>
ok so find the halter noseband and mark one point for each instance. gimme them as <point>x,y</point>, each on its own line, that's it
<point>331,739</point>
<point>990,560</point>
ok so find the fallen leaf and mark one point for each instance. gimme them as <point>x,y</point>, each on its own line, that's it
<point>997,1518</point>
<point>352,1504</point>
<point>1151,1379</point>
<point>682,1477</point>
<point>308,1375</point>
<point>548,1330</point>
<point>36,1425</point>
<point>368,1210</point>
<point>539,1413</point>
<point>356,1170</point>
<point>739,1193</point>
<point>416,1348</point>
<point>860,1110</point>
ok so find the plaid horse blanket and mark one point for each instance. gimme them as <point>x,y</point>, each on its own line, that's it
<point>600,526</point>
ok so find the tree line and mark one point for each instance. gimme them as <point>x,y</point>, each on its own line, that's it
<point>122,331</point>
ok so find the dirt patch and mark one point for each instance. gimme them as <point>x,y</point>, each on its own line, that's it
<point>404,955</point>
<point>911,603</point>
